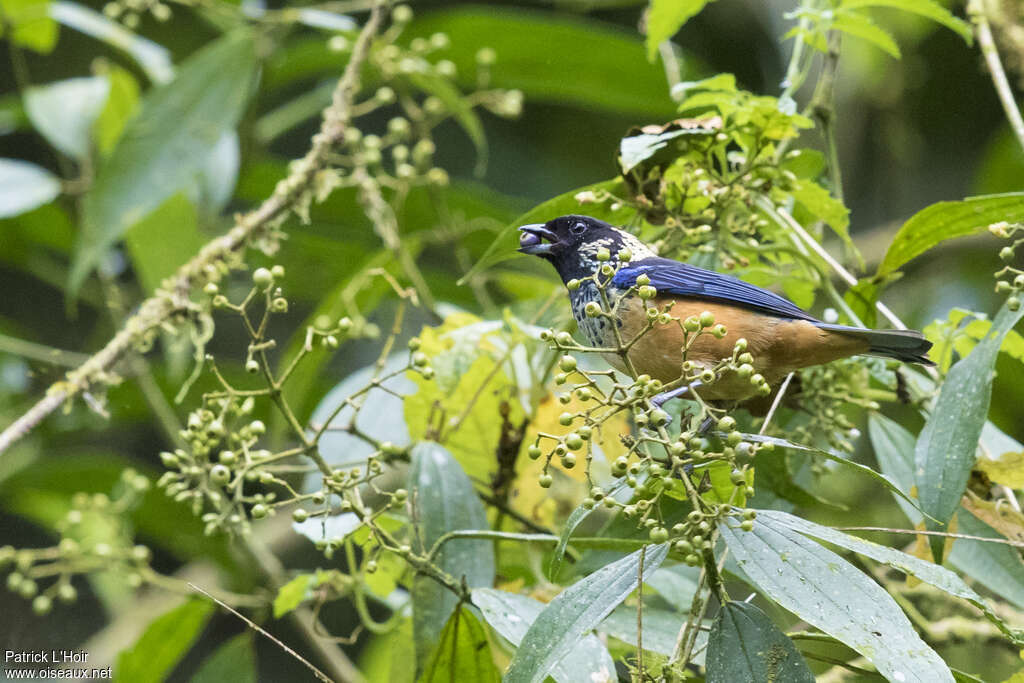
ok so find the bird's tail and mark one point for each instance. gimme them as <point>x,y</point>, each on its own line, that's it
<point>908,346</point>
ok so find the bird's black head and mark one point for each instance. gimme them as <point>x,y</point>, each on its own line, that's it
<point>571,244</point>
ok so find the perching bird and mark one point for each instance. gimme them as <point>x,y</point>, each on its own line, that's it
<point>780,336</point>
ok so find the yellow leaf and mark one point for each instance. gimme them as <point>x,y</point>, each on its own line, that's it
<point>999,516</point>
<point>923,550</point>
<point>1007,469</point>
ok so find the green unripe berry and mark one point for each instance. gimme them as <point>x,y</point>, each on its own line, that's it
<point>741,344</point>
<point>545,480</point>
<point>227,458</point>
<point>573,441</point>
<point>707,376</point>
<point>42,604</point>
<point>745,358</point>
<point>719,331</point>
<point>733,438</point>
<point>567,363</point>
<point>749,514</point>
<point>692,560</point>
<point>211,289</point>
<point>588,503</point>
<point>568,461</point>
<point>220,475</point>
<point>643,279</point>
<point>1006,254</point>
<point>647,292</point>
<point>603,254</point>
<point>299,515</point>
<point>563,339</point>
<point>682,547</point>
<point>1013,303</point>
<point>565,419</point>
<point>747,525</point>
<point>707,319</point>
<point>620,465</point>
<point>262,278</point>
<point>66,593</point>
<point>624,255</point>
<point>259,511</point>
<point>745,371</point>
<point>757,379</point>
<point>533,451</point>
<point>691,324</point>
<point>659,534</point>
<point>592,309</point>
<point>572,285</point>
<point>252,366</point>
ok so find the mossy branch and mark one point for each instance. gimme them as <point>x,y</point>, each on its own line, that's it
<point>173,297</point>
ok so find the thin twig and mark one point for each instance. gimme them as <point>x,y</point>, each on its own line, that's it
<point>775,404</point>
<point>256,627</point>
<point>987,43</point>
<point>173,296</point>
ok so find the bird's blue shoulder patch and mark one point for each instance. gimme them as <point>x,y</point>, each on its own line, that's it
<point>672,277</point>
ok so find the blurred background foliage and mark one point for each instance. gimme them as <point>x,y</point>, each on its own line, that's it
<point>913,131</point>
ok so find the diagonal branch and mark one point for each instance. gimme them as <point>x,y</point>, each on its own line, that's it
<point>173,296</point>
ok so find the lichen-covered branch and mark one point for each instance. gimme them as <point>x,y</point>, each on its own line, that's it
<point>173,297</point>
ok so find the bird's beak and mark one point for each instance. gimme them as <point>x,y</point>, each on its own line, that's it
<point>531,241</point>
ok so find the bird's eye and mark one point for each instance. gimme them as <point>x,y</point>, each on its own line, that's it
<point>578,228</point>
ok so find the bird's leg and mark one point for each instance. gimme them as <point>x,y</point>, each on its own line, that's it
<point>658,399</point>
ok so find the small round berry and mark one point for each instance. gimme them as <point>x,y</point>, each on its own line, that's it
<point>647,292</point>
<point>299,515</point>
<point>573,441</point>
<point>220,475</point>
<point>262,278</point>
<point>592,309</point>
<point>567,364</point>
<point>707,319</point>
<point>568,461</point>
<point>545,480</point>
<point>659,534</point>
<point>259,511</point>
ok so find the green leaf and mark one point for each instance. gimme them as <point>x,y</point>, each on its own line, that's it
<point>576,61</point>
<point>154,59</point>
<point>861,26</point>
<point>947,220</point>
<point>444,500</point>
<point>166,640</point>
<point>746,646</point>
<point>925,8</point>
<point>575,612</point>
<point>928,572</point>
<point>164,240</point>
<point>635,149</point>
<point>121,105</point>
<point>164,148</point>
<point>64,112</point>
<point>505,244</point>
<point>292,594</point>
<point>996,566</point>
<point>834,457</point>
<point>824,206</point>
<point>25,186</point>
<point>233,661</point>
<point>511,615</point>
<point>660,628</point>
<point>828,592</point>
<point>947,446</point>
<point>32,26</point>
<point>575,518</point>
<point>676,584</point>
<point>463,653</point>
<point>665,18</point>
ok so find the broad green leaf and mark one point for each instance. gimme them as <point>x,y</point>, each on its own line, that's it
<point>575,518</point>
<point>928,572</point>
<point>217,177</point>
<point>745,645</point>
<point>511,615</point>
<point>121,105</point>
<point>824,206</point>
<point>386,657</point>
<point>444,500</point>
<point>25,186</point>
<point>576,61</point>
<point>996,566</point>
<point>463,653</point>
<point>635,149</point>
<point>660,629</point>
<point>946,220</point>
<point>834,457</point>
<point>505,242</point>
<point>164,240</point>
<point>665,18</point>
<point>166,640</point>
<point>861,26</point>
<point>925,8</point>
<point>676,584</point>
<point>154,59</point>
<point>575,612</point>
<point>947,446</point>
<point>233,661</point>
<point>828,592</point>
<point>32,26</point>
<point>166,145</point>
<point>292,594</point>
<point>64,112</point>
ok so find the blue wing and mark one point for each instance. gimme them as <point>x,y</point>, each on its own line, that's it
<point>673,277</point>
